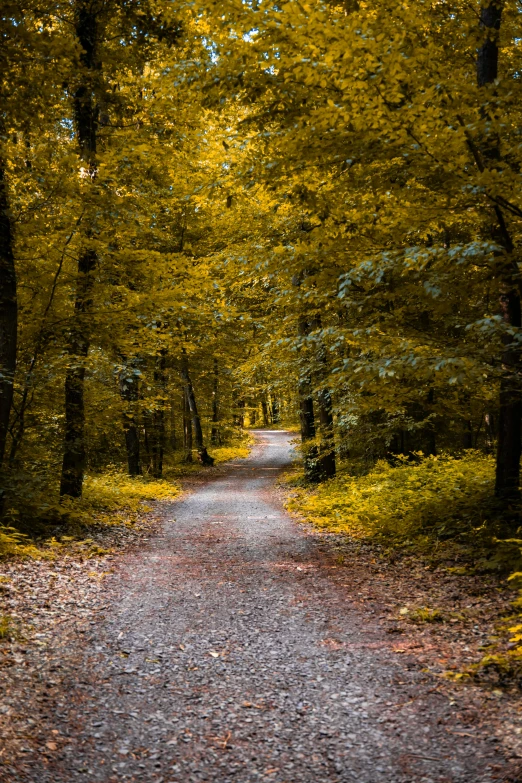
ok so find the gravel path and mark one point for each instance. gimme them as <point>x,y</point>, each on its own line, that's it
<point>229,652</point>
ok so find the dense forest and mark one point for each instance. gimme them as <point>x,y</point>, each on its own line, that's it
<point>260,391</point>
<point>224,215</point>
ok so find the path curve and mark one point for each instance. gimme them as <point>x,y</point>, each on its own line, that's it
<point>230,653</point>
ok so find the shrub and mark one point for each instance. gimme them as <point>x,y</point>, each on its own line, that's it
<point>442,496</point>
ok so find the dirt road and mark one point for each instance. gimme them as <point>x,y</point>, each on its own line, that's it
<point>230,653</point>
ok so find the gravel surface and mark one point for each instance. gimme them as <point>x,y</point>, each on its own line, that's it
<point>229,650</point>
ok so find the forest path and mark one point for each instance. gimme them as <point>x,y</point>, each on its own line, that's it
<point>232,651</point>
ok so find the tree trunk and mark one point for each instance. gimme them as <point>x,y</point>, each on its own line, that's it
<point>324,404</point>
<point>487,56</point>
<point>129,394</point>
<point>74,456</point>
<point>191,401</point>
<point>86,125</point>
<point>264,408</point>
<point>239,411</point>
<point>173,440</point>
<point>431,435</point>
<point>187,428</point>
<point>467,436</point>
<point>8,312</point>
<point>306,416</point>
<point>158,419</point>
<point>509,444</point>
<point>148,437</point>
<point>215,437</point>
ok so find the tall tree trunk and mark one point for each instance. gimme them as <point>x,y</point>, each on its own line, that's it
<point>324,405</point>
<point>8,312</point>
<point>74,456</point>
<point>215,437</point>
<point>507,476</point>
<point>148,437</point>
<point>130,393</point>
<point>158,419</point>
<point>86,124</point>
<point>467,435</point>
<point>509,444</point>
<point>187,428</point>
<point>238,405</point>
<point>264,408</point>
<point>306,415</point>
<point>430,429</point>
<point>191,400</point>
<point>173,440</point>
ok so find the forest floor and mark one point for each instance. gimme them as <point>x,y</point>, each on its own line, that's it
<point>229,642</point>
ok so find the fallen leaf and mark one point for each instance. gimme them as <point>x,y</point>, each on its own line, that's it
<point>51,745</point>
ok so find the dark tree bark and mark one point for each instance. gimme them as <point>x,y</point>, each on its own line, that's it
<point>132,443</point>
<point>8,312</point>
<point>187,428</point>
<point>264,408</point>
<point>306,415</point>
<point>397,445</point>
<point>158,419</point>
<point>154,421</point>
<point>487,57</point>
<point>507,476</point>
<point>86,125</point>
<point>509,443</point>
<point>239,411</point>
<point>430,429</point>
<point>191,401</point>
<point>148,437</point>
<point>74,456</point>
<point>327,465</point>
<point>215,436</point>
<point>173,440</point>
<point>467,436</point>
<point>129,391</point>
<point>276,413</point>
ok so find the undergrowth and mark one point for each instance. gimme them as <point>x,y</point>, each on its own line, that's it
<point>429,498</point>
<point>39,525</point>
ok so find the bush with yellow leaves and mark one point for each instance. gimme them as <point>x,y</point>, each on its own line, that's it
<point>442,496</point>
